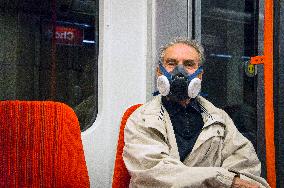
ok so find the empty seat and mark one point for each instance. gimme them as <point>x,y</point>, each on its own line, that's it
<point>40,146</point>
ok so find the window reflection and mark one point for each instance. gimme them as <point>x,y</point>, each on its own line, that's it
<point>32,68</point>
<point>229,35</point>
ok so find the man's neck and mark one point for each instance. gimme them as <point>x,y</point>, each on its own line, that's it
<point>184,103</point>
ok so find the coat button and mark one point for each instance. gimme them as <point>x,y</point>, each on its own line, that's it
<point>218,132</point>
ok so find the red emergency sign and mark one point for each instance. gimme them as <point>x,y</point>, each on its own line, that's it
<point>69,35</point>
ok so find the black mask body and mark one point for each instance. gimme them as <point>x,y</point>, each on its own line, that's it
<point>179,84</point>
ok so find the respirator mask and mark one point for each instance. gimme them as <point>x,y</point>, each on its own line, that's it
<point>178,84</point>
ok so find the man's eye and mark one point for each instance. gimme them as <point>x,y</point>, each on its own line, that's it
<point>189,63</point>
<point>171,63</point>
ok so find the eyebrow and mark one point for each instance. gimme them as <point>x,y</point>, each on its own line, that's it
<point>189,60</point>
<point>171,59</point>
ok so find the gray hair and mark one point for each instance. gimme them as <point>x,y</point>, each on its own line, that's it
<point>183,40</point>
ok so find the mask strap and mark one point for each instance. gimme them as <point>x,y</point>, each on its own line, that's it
<point>196,73</point>
<point>165,72</point>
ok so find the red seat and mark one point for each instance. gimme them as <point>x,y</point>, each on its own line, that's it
<point>40,146</point>
<point>121,178</point>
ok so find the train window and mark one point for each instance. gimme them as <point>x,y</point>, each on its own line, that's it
<point>49,51</point>
<point>229,35</point>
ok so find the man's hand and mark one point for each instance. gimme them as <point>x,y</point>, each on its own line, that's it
<point>240,183</point>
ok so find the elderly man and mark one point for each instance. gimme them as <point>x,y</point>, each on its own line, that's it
<point>179,139</point>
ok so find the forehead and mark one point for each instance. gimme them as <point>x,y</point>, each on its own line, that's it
<point>181,51</point>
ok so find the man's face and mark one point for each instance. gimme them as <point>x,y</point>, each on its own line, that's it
<point>181,54</point>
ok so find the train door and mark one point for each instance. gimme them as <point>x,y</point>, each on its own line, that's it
<point>236,29</point>
<point>231,32</point>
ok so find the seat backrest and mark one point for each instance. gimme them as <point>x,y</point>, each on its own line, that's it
<point>121,178</point>
<point>40,145</point>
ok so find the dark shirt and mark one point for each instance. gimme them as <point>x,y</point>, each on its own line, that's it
<point>187,124</point>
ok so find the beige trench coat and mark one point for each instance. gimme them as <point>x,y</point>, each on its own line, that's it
<point>152,158</point>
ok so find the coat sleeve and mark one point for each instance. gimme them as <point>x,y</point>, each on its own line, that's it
<point>239,155</point>
<point>147,158</point>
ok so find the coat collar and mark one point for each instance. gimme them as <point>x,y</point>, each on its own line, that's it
<point>156,113</point>
<point>210,115</point>
<point>174,108</point>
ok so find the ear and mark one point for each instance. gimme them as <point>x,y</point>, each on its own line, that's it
<point>200,75</point>
<point>158,72</point>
